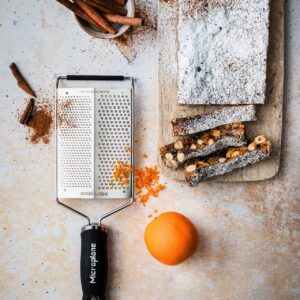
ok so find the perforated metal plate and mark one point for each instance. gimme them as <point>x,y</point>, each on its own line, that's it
<point>113,138</point>
<point>93,133</point>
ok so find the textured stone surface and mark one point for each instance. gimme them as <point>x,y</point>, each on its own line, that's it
<point>222,51</point>
<point>250,231</point>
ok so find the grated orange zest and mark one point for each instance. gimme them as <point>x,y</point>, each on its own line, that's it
<point>146,183</point>
<point>121,174</point>
<point>146,180</point>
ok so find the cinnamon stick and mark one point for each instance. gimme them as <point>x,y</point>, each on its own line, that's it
<point>22,83</point>
<point>80,13</point>
<point>98,6</point>
<point>123,20</point>
<point>107,6</point>
<point>94,15</point>
<point>120,2</point>
<point>27,112</point>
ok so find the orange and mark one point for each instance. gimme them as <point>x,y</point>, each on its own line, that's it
<point>171,238</point>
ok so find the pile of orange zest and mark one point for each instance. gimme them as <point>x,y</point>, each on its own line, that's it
<point>121,174</point>
<point>146,183</point>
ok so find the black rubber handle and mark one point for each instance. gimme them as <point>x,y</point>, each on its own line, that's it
<point>93,263</point>
<point>95,77</point>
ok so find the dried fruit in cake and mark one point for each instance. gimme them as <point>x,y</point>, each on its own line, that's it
<point>224,162</point>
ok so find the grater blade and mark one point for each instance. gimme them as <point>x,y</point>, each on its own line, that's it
<point>94,131</point>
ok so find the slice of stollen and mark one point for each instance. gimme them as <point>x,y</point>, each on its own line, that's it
<point>198,123</point>
<point>178,153</point>
<point>227,161</point>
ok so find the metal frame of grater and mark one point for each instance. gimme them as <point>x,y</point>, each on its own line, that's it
<point>93,264</point>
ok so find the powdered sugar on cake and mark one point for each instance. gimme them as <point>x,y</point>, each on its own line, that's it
<point>222,51</point>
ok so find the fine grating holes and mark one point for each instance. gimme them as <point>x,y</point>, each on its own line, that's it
<point>75,142</point>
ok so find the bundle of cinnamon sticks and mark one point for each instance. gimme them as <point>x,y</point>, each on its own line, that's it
<point>101,14</point>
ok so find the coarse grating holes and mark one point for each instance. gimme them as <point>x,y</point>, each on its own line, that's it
<point>76,143</point>
<point>113,134</point>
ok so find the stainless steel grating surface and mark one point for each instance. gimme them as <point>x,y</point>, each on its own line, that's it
<point>75,143</point>
<point>94,131</point>
<point>113,137</point>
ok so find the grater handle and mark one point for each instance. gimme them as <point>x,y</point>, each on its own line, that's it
<point>95,77</point>
<point>93,262</point>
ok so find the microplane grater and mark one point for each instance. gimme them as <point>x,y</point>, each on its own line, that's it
<point>98,137</point>
<point>94,130</point>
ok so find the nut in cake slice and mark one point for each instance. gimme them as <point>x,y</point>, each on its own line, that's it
<point>176,154</point>
<point>227,161</point>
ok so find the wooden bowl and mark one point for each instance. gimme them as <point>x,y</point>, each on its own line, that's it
<point>121,29</point>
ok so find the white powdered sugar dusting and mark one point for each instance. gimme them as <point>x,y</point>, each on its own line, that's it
<point>241,161</point>
<point>222,51</point>
<point>198,123</point>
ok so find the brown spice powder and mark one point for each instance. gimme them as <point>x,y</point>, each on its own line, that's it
<point>192,8</point>
<point>40,125</point>
<point>135,40</point>
<point>64,115</point>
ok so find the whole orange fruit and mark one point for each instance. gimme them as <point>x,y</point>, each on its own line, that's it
<point>171,238</point>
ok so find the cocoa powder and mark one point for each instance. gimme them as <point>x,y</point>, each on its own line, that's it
<point>40,125</point>
<point>64,114</point>
<point>203,7</point>
<point>136,39</point>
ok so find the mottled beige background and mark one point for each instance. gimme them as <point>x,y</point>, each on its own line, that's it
<point>250,247</point>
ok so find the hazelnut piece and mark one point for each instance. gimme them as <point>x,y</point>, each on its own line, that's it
<point>190,168</point>
<point>260,139</point>
<point>180,156</point>
<point>252,146</point>
<point>178,145</point>
<point>169,156</point>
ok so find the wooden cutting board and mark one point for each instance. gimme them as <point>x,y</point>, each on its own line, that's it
<point>269,115</point>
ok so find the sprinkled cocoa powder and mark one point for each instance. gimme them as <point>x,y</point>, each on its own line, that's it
<point>137,39</point>
<point>40,125</point>
<point>122,40</point>
<point>64,114</point>
<point>202,7</point>
<point>149,19</point>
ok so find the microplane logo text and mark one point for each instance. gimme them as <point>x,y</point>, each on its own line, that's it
<point>94,262</point>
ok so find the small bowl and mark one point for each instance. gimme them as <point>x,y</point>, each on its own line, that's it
<point>121,29</point>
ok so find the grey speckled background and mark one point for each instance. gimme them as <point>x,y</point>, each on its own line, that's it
<point>251,232</point>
